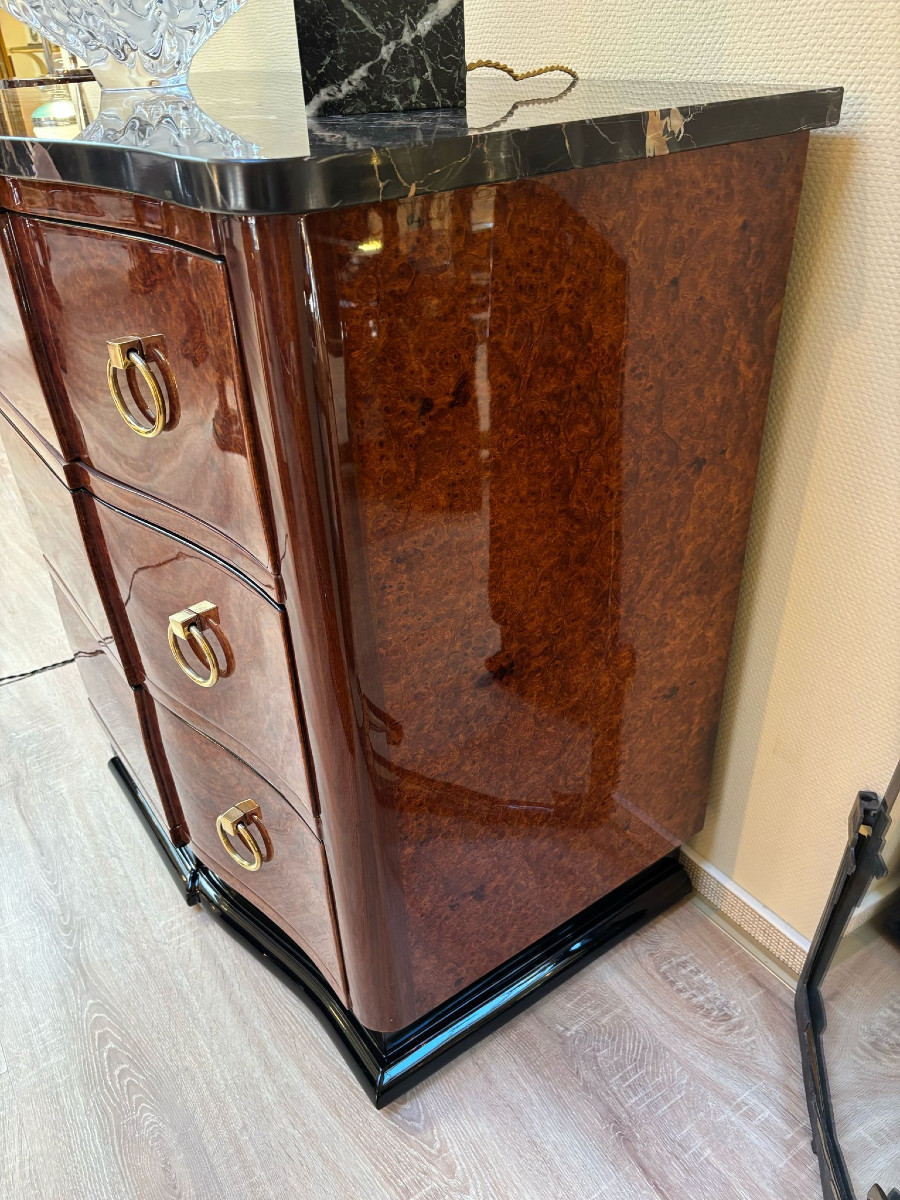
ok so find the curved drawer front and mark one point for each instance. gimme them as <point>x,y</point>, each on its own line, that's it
<point>292,887</point>
<point>251,707</point>
<point>93,287</point>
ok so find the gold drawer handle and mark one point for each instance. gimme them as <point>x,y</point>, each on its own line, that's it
<point>188,625</point>
<point>236,822</point>
<point>124,354</point>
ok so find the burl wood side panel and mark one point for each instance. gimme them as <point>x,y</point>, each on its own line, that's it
<point>292,889</point>
<point>252,708</point>
<point>88,286</point>
<point>542,406</point>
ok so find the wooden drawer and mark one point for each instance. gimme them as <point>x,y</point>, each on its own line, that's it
<point>90,286</point>
<point>292,889</point>
<point>252,707</point>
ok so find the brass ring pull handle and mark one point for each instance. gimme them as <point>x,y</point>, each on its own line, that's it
<point>125,353</point>
<point>188,625</point>
<point>237,822</point>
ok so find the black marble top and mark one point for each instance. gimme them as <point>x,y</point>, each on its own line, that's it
<point>246,145</point>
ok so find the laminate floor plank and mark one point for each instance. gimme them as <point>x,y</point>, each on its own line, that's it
<point>150,1055</point>
<point>862,1055</point>
<point>31,632</point>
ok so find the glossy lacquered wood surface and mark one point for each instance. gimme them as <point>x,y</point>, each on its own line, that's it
<point>112,210</point>
<point>278,337</point>
<point>175,520</point>
<point>537,410</point>
<point>252,707</point>
<point>292,889</point>
<point>89,286</point>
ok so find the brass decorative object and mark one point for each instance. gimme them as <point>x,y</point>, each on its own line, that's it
<point>127,354</point>
<point>518,76</point>
<point>188,625</point>
<point>237,822</point>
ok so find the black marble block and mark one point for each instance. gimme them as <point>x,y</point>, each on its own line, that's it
<point>362,56</point>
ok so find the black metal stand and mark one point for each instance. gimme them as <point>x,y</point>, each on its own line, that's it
<point>870,820</point>
<point>389,1064</point>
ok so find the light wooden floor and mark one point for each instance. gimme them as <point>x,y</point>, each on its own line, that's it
<point>862,1055</point>
<point>144,1054</point>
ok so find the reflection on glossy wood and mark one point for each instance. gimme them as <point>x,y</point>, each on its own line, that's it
<point>536,638</point>
<point>270,289</point>
<point>252,707</point>
<point>174,520</point>
<point>114,210</point>
<point>293,888</point>
<point>90,286</point>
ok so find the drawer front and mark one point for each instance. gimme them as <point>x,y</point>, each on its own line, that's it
<point>251,708</point>
<point>292,888</point>
<point>114,703</point>
<point>92,287</point>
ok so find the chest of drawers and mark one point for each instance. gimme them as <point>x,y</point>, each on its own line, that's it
<point>399,535</point>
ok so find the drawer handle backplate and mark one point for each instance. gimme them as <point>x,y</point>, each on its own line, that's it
<point>188,625</point>
<point>239,822</point>
<point>129,353</point>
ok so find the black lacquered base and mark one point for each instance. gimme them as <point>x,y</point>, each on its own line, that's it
<point>389,1064</point>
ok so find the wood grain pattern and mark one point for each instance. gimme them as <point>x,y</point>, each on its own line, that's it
<point>88,286</point>
<point>292,889</point>
<point>252,708</point>
<point>112,210</point>
<point>541,405</point>
<point>666,1070</point>
<point>182,524</point>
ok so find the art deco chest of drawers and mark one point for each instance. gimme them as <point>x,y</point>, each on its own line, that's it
<point>395,499</point>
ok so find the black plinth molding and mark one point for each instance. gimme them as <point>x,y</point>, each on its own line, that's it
<point>389,1064</point>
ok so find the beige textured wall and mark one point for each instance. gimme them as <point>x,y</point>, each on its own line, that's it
<point>812,711</point>
<point>813,700</point>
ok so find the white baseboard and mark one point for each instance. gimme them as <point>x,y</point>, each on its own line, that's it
<point>763,932</point>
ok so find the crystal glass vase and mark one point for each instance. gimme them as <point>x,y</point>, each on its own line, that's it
<point>128,43</point>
